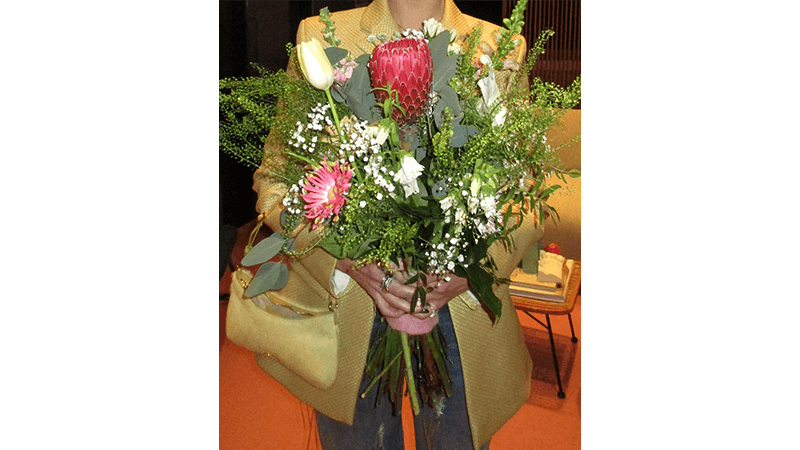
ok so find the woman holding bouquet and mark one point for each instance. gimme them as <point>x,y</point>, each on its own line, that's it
<point>489,366</point>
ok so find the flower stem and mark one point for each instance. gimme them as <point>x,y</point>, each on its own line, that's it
<point>412,387</point>
<point>335,115</point>
<point>378,377</point>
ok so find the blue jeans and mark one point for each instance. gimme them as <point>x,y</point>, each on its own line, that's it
<point>374,427</point>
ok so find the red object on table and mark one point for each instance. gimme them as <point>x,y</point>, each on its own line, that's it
<point>553,248</point>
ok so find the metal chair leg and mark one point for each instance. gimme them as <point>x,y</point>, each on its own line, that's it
<point>555,358</point>
<point>574,339</point>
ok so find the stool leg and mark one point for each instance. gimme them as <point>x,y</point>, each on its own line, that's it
<point>555,357</point>
<point>574,339</point>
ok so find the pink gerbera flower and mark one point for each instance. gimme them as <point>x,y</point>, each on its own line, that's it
<point>325,190</point>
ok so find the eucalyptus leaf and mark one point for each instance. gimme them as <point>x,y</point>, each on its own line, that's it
<point>448,99</point>
<point>335,54</point>
<point>336,95</point>
<point>264,250</point>
<point>420,152</point>
<point>442,75</point>
<point>444,66</point>
<point>438,47</point>
<point>358,93</point>
<point>440,190</point>
<point>270,277</point>
<point>461,134</point>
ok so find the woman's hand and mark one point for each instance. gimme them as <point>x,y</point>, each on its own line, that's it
<point>394,303</point>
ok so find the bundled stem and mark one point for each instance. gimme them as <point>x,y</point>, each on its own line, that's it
<point>412,388</point>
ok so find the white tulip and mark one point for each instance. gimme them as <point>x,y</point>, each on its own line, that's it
<point>314,64</point>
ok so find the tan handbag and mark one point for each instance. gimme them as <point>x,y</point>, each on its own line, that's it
<point>311,342</point>
<point>300,335</point>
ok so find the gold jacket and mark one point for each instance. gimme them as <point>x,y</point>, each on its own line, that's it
<point>336,331</point>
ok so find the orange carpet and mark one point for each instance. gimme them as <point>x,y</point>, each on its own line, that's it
<point>256,412</point>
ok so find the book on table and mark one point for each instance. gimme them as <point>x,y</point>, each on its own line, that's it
<point>529,285</point>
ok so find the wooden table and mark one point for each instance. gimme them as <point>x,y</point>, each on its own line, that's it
<point>530,305</point>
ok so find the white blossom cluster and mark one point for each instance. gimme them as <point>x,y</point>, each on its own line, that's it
<point>318,116</point>
<point>360,143</point>
<point>375,169</point>
<point>292,200</point>
<point>412,33</point>
<point>465,207</point>
<point>443,256</point>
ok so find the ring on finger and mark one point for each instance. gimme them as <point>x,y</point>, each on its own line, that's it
<point>386,281</point>
<point>432,309</point>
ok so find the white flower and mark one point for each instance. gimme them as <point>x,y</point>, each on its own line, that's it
<point>475,186</point>
<point>486,60</point>
<point>432,27</point>
<point>500,118</point>
<point>410,169</point>
<point>314,64</point>
<point>380,134</point>
<point>447,203</point>
<point>454,48</point>
<point>472,204</point>
<point>489,205</point>
<point>491,93</point>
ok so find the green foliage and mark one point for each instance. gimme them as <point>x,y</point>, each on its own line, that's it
<point>464,83</point>
<point>330,28</point>
<point>506,43</point>
<point>444,154</point>
<point>247,112</point>
<point>537,49</point>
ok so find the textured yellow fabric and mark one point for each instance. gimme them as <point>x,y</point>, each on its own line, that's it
<point>496,364</point>
<point>302,339</point>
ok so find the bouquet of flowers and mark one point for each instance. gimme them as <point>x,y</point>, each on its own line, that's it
<point>420,155</point>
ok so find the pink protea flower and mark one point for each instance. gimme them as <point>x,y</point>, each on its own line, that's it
<point>405,64</point>
<point>325,189</point>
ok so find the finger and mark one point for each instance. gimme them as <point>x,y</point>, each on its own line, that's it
<point>386,309</point>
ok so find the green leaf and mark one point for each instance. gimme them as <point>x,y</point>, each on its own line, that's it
<point>271,276</point>
<point>449,99</point>
<point>264,250</point>
<point>358,92</point>
<point>419,296</point>
<point>481,283</point>
<point>461,133</point>
<point>438,47</point>
<point>335,54</point>
<point>363,248</point>
<point>442,74</point>
<point>550,190</point>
